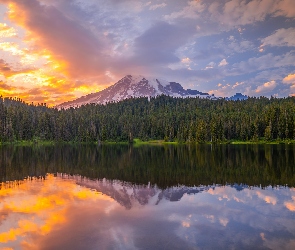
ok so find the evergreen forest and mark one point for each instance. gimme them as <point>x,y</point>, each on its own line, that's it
<point>189,120</point>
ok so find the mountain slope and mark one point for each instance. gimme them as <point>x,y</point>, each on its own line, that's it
<point>134,86</point>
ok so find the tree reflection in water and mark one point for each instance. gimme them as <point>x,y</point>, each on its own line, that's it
<point>162,165</point>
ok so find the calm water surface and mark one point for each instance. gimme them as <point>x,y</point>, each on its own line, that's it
<point>122,197</point>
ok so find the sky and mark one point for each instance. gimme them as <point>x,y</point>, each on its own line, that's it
<point>54,51</point>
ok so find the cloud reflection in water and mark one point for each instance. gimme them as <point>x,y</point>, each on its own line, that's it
<point>72,212</point>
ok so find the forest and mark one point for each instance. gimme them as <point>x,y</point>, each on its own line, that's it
<point>183,120</point>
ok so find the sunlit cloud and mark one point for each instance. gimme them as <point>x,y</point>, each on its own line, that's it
<point>44,203</point>
<point>237,84</point>
<point>186,60</point>
<point>289,79</point>
<point>281,37</point>
<point>266,87</point>
<point>186,224</point>
<point>267,198</point>
<point>262,235</point>
<point>48,59</point>
<point>223,63</point>
<point>6,31</point>
<point>223,221</point>
<point>290,204</point>
<point>211,65</point>
<point>223,90</point>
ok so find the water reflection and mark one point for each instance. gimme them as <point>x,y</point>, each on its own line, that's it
<point>164,166</point>
<point>74,212</point>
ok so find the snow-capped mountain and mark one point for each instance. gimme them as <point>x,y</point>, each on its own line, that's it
<point>130,195</point>
<point>135,86</point>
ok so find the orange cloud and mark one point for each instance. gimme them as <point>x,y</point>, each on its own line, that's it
<point>289,79</point>
<point>58,59</point>
<point>268,86</point>
<point>24,227</point>
<point>290,204</point>
<point>267,198</point>
<point>65,40</point>
<point>6,31</point>
<point>40,206</point>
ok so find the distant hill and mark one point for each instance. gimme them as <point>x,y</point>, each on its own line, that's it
<point>236,97</point>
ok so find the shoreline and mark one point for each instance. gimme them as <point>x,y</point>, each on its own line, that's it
<point>138,142</point>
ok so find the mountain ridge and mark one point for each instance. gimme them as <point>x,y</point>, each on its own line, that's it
<point>134,86</point>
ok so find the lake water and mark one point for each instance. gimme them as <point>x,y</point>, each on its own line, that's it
<point>147,197</point>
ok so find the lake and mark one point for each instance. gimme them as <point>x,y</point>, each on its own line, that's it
<point>147,197</point>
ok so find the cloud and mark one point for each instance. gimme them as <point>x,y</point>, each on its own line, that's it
<point>24,56</point>
<point>56,51</point>
<point>186,60</point>
<point>263,62</point>
<point>154,48</point>
<point>266,87</point>
<point>230,14</point>
<point>192,10</point>
<point>5,88</point>
<point>211,65</point>
<point>290,204</point>
<point>284,8</point>
<point>271,199</point>
<point>194,75</point>
<point>7,71</point>
<point>236,12</point>
<point>65,39</point>
<point>157,6</point>
<point>227,89</point>
<point>289,79</point>
<point>4,67</point>
<point>42,209</point>
<point>6,31</point>
<point>238,46</point>
<point>204,54</point>
<point>134,6</point>
<point>237,84</point>
<point>281,37</point>
<point>74,51</point>
<point>223,63</point>
<point>223,90</point>
<point>161,38</point>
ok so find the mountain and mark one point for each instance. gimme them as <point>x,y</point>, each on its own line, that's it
<point>130,195</point>
<point>236,97</point>
<point>135,86</point>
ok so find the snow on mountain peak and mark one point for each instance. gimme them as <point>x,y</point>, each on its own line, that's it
<point>135,86</point>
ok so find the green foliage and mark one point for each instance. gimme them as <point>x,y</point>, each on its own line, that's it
<point>190,120</point>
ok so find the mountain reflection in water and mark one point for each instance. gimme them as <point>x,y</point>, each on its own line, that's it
<point>74,212</point>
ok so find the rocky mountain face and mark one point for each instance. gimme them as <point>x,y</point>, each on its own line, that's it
<point>135,86</point>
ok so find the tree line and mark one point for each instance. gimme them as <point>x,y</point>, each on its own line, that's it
<point>194,120</point>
